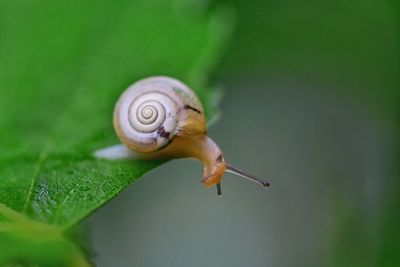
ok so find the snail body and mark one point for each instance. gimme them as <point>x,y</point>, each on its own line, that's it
<point>161,118</point>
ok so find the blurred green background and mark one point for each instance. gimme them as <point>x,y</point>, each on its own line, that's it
<point>312,103</point>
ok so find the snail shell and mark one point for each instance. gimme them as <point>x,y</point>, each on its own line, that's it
<point>153,111</point>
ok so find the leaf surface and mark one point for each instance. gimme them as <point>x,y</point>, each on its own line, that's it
<point>63,65</point>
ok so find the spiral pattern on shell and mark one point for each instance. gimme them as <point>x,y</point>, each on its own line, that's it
<point>149,113</point>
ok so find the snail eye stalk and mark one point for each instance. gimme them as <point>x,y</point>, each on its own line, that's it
<point>238,172</point>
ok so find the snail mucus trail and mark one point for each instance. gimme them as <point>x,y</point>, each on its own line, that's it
<point>162,118</point>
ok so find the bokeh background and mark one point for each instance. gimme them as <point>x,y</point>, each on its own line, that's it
<point>311,102</point>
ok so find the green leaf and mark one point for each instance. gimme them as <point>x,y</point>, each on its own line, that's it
<point>63,66</point>
<point>24,241</point>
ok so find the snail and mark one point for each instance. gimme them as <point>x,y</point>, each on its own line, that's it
<point>162,118</point>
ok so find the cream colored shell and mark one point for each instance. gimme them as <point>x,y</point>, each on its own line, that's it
<point>152,111</point>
